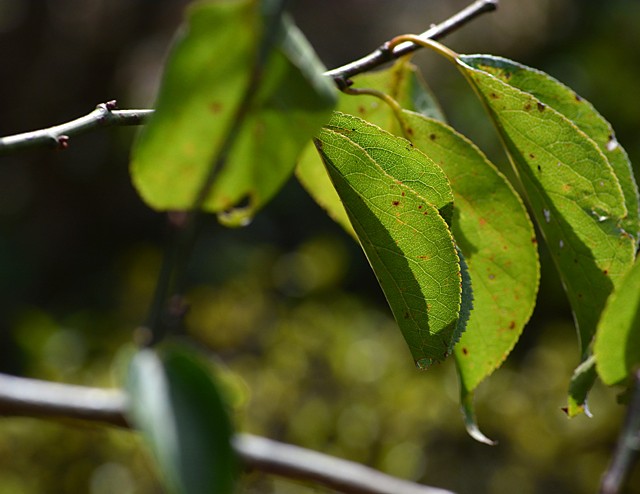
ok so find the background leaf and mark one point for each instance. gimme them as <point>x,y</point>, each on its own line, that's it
<point>206,80</point>
<point>573,192</point>
<point>401,81</point>
<point>407,242</point>
<point>178,408</point>
<point>617,343</point>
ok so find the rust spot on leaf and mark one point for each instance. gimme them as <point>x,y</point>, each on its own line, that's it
<point>534,240</point>
<point>532,156</point>
<point>433,137</point>
<point>482,221</point>
<point>215,107</point>
<point>541,106</point>
<point>396,203</point>
<point>606,272</point>
<point>403,193</point>
<point>578,98</point>
<point>465,351</point>
<point>527,106</point>
<point>409,131</point>
<point>494,96</point>
<point>512,325</point>
<point>362,110</point>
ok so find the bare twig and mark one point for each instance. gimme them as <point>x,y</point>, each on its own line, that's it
<point>25,397</point>
<point>628,446</point>
<point>57,137</point>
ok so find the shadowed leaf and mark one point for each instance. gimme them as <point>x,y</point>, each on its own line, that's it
<point>407,242</point>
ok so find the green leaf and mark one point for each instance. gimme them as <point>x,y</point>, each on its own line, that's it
<point>221,73</point>
<point>617,343</point>
<point>177,407</point>
<point>492,228</point>
<point>573,192</point>
<point>407,242</point>
<point>582,380</point>
<point>553,93</point>
<point>401,81</point>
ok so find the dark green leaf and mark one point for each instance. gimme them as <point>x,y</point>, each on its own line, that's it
<point>176,405</point>
<point>218,73</point>
<point>402,233</point>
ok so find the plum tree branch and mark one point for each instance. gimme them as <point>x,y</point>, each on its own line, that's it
<point>57,137</point>
<point>437,31</point>
<point>27,397</point>
<point>106,114</point>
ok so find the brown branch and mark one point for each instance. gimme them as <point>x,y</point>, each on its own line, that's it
<point>25,397</point>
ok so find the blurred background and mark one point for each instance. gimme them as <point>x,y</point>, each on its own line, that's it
<point>288,305</point>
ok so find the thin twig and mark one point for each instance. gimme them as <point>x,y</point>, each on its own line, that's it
<point>627,448</point>
<point>105,114</point>
<point>26,397</point>
<point>57,137</point>
<point>383,55</point>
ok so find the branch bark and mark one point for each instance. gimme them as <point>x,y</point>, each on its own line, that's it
<point>627,449</point>
<point>26,397</point>
<point>57,137</point>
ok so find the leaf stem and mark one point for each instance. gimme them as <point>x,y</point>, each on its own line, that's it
<point>426,42</point>
<point>24,397</point>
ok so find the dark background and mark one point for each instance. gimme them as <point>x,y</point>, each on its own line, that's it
<point>288,303</point>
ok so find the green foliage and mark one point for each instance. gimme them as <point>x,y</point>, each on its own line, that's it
<point>244,100</point>
<point>617,344</point>
<point>178,408</point>
<point>574,192</point>
<point>394,195</point>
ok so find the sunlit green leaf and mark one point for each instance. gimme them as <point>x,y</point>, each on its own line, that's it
<point>617,343</point>
<point>573,191</point>
<point>493,230</point>
<point>404,237</point>
<point>401,81</point>
<point>174,402</point>
<point>205,91</point>
<point>553,93</point>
